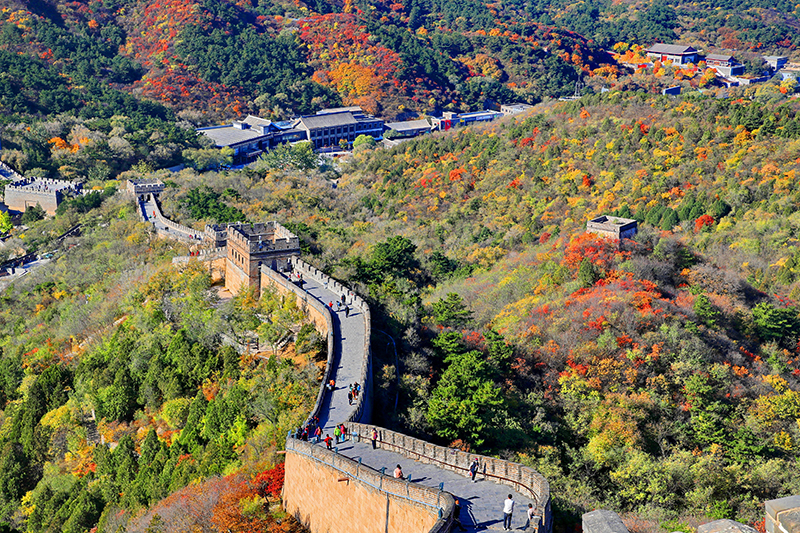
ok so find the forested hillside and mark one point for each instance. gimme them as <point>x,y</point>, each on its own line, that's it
<point>121,383</point>
<point>659,378</point>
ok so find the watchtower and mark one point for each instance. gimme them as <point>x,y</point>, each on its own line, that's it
<point>249,246</point>
<point>614,227</point>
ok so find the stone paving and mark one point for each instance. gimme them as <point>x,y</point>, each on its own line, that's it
<point>482,501</point>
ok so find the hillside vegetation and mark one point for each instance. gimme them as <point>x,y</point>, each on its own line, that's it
<point>121,385</point>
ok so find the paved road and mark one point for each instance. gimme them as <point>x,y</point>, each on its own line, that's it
<point>482,501</point>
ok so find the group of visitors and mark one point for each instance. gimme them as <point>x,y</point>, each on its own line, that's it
<point>311,431</point>
<point>340,305</point>
<point>508,511</point>
<point>352,394</point>
<point>296,278</point>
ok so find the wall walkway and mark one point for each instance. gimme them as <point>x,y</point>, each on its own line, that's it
<point>436,473</point>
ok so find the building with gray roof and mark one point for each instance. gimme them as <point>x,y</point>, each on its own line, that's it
<point>410,128</point>
<point>250,137</point>
<point>328,127</point>
<point>677,53</point>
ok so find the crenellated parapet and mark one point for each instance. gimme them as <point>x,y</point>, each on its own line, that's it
<point>370,500</point>
<point>45,192</point>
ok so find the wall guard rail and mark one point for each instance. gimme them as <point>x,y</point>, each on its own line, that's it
<point>521,478</point>
<point>439,502</point>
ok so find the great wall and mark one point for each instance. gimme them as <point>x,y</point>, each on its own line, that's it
<point>348,484</point>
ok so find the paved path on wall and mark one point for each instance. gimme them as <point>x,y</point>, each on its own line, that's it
<point>482,501</point>
<point>348,348</point>
<point>148,209</point>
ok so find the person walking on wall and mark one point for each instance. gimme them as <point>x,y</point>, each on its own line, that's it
<point>346,311</point>
<point>508,510</point>
<point>337,432</point>
<point>350,397</point>
<point>457,516</point>
<point>327,440</point>
<point>531,516</point>
<point>473,469</point>
<point>317,435</point>
<point>374,437</point>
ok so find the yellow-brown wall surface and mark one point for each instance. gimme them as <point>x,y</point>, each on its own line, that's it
<point>313,494</point>
<point>269,281</point>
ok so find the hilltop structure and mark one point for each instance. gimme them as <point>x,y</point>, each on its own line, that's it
<point>47,193</point>
<point>248,247</point>
<point>613,227</point>
<point>677,53</point>
<point>141,188</point>
<point>330,126</point>
<point>251,137</point>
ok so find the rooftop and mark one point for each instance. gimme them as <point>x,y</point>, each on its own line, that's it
<point>256,121</point>
<point>674,49</point>
<point>230,135</point>
<point>351,109</point>
<point>719,57</point>
<point>328,120</point>
<point>618,221</point>
<point>408,125</point>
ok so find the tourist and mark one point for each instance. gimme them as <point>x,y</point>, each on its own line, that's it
<point>346,311</point>
<point>374,437</point>
<point>508,510</point>
<point>317,435</point>
<point>337,432</point>
<point>473,469</point>
<point>398,473</point>
<point>457,515</point>
<point>327,440</point>
<point>350,396</point>
<point>531,516</point>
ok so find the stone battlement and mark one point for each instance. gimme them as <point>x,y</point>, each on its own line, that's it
<point>45,192</point>
<point>263,237</point>
<point>613,227</point>
<point>141,187</point>
<point>249,246</point>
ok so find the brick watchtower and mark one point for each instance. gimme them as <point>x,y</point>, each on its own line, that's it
<point>251,245</point>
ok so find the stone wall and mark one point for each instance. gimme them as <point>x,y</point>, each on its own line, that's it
<point>316,311</point>
<point>523,479</point>
<point>330,493</point>
<point>363,410</point>
<point>783,515</point>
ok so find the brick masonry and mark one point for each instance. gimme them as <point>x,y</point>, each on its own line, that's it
<point>313,494</point>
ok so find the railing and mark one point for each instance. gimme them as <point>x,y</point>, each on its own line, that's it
<point>362,406</point>
<point>190,234</point>
<point>303,296</point>
<point>521,478</point>
<point>438,502</point>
